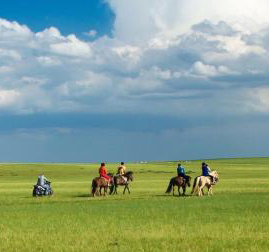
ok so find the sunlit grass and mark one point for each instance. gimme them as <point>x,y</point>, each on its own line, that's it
<point>234,219</point>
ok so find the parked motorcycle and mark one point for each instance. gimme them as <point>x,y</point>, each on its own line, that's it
<point>42,191</point>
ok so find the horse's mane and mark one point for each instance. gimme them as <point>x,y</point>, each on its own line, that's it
<point>129,173</point>
<point>215,173</point>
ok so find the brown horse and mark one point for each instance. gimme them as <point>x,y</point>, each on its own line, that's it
<point>99,183</point>
<point>180,182</point>
<point>123,180</point>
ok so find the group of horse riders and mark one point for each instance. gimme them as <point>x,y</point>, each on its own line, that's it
<point>109,181</point>
<point>206,172</point>
<point>120,172</point>
<point>207,179</point>
<point>122,178</point>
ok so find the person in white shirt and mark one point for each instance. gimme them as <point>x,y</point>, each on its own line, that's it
<point>43,181</point>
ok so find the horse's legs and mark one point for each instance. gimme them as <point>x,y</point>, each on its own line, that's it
<point>105,190</point>
<point>128,189</point>
<point>93,191</point>
<point>184,190</point>
<point>178,188</point>
<point>210,190</point>
<point>200,191</point>
<point>124,189</point>
<point>115,189</point>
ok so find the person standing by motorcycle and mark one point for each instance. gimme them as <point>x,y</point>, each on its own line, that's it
<point>44,182</point>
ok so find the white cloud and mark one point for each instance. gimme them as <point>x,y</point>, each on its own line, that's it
<point>72,47</point>
<point>258,99</point>
<point>169,18</point>
<point>32,80</point>
<point>11,54</point>
<point>13,29</point>
<point>91,33</point>
<point>5,69</point>
<point>128,53</point>
<point>50,34</point>
<point>160,63</point>
<point>90,84</point>
<point>48,61</point>
<point>8,97</point>
<point>202,69</point>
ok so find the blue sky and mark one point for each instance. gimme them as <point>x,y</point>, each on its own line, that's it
<point>133,80</point>
<point>69,16</point>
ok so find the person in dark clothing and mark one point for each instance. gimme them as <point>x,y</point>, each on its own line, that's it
<point>181,171</point>
<point>206,172</point>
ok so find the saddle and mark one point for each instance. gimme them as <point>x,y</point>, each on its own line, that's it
<point>124,179</point>
<point>181,179</point>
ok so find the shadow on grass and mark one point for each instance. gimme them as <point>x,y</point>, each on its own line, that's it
<point>171,196</point>
<point>89,196</point>
<point>82,195</point>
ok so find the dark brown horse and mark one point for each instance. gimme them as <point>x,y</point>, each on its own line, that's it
<point>180,182</point>
<point>99,183</point>
<point>122,180</point>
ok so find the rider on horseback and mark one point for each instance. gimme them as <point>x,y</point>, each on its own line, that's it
<point>181,171</point>
<point>206,172</point>
<point>103,173</point>
<point>122,171</point>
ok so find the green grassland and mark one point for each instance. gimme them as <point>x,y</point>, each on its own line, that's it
<point>236,218</point>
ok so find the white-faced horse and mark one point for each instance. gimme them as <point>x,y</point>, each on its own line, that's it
<point>202,181</point>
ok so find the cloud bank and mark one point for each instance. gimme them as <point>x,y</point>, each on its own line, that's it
<point>188,59</point>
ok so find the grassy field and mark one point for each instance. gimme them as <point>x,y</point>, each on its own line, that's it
<point>235,219</point>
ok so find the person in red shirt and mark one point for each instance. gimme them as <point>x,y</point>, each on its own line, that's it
<point>103,172</point>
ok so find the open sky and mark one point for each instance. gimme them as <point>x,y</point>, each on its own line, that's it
<point>115,80</point>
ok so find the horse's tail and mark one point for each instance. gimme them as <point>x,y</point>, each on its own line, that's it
<point>170,186</point>
<point>195,185</point>
<point>94,186</point>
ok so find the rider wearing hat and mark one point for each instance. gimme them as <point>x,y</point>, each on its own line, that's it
<point>206,172</point>
<point>103,172</point>
<point>181,171</point>
<point>121,171</point>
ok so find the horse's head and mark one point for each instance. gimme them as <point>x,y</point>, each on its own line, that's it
<point>215,175</point>
<point>129,175</point>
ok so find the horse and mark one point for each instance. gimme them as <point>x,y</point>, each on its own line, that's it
<point>179,182</point>
<point>119,180</point>
<point>201,181</point>
<point>100,183</point>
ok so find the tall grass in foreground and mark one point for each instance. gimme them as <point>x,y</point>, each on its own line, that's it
<point>234,219</point>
